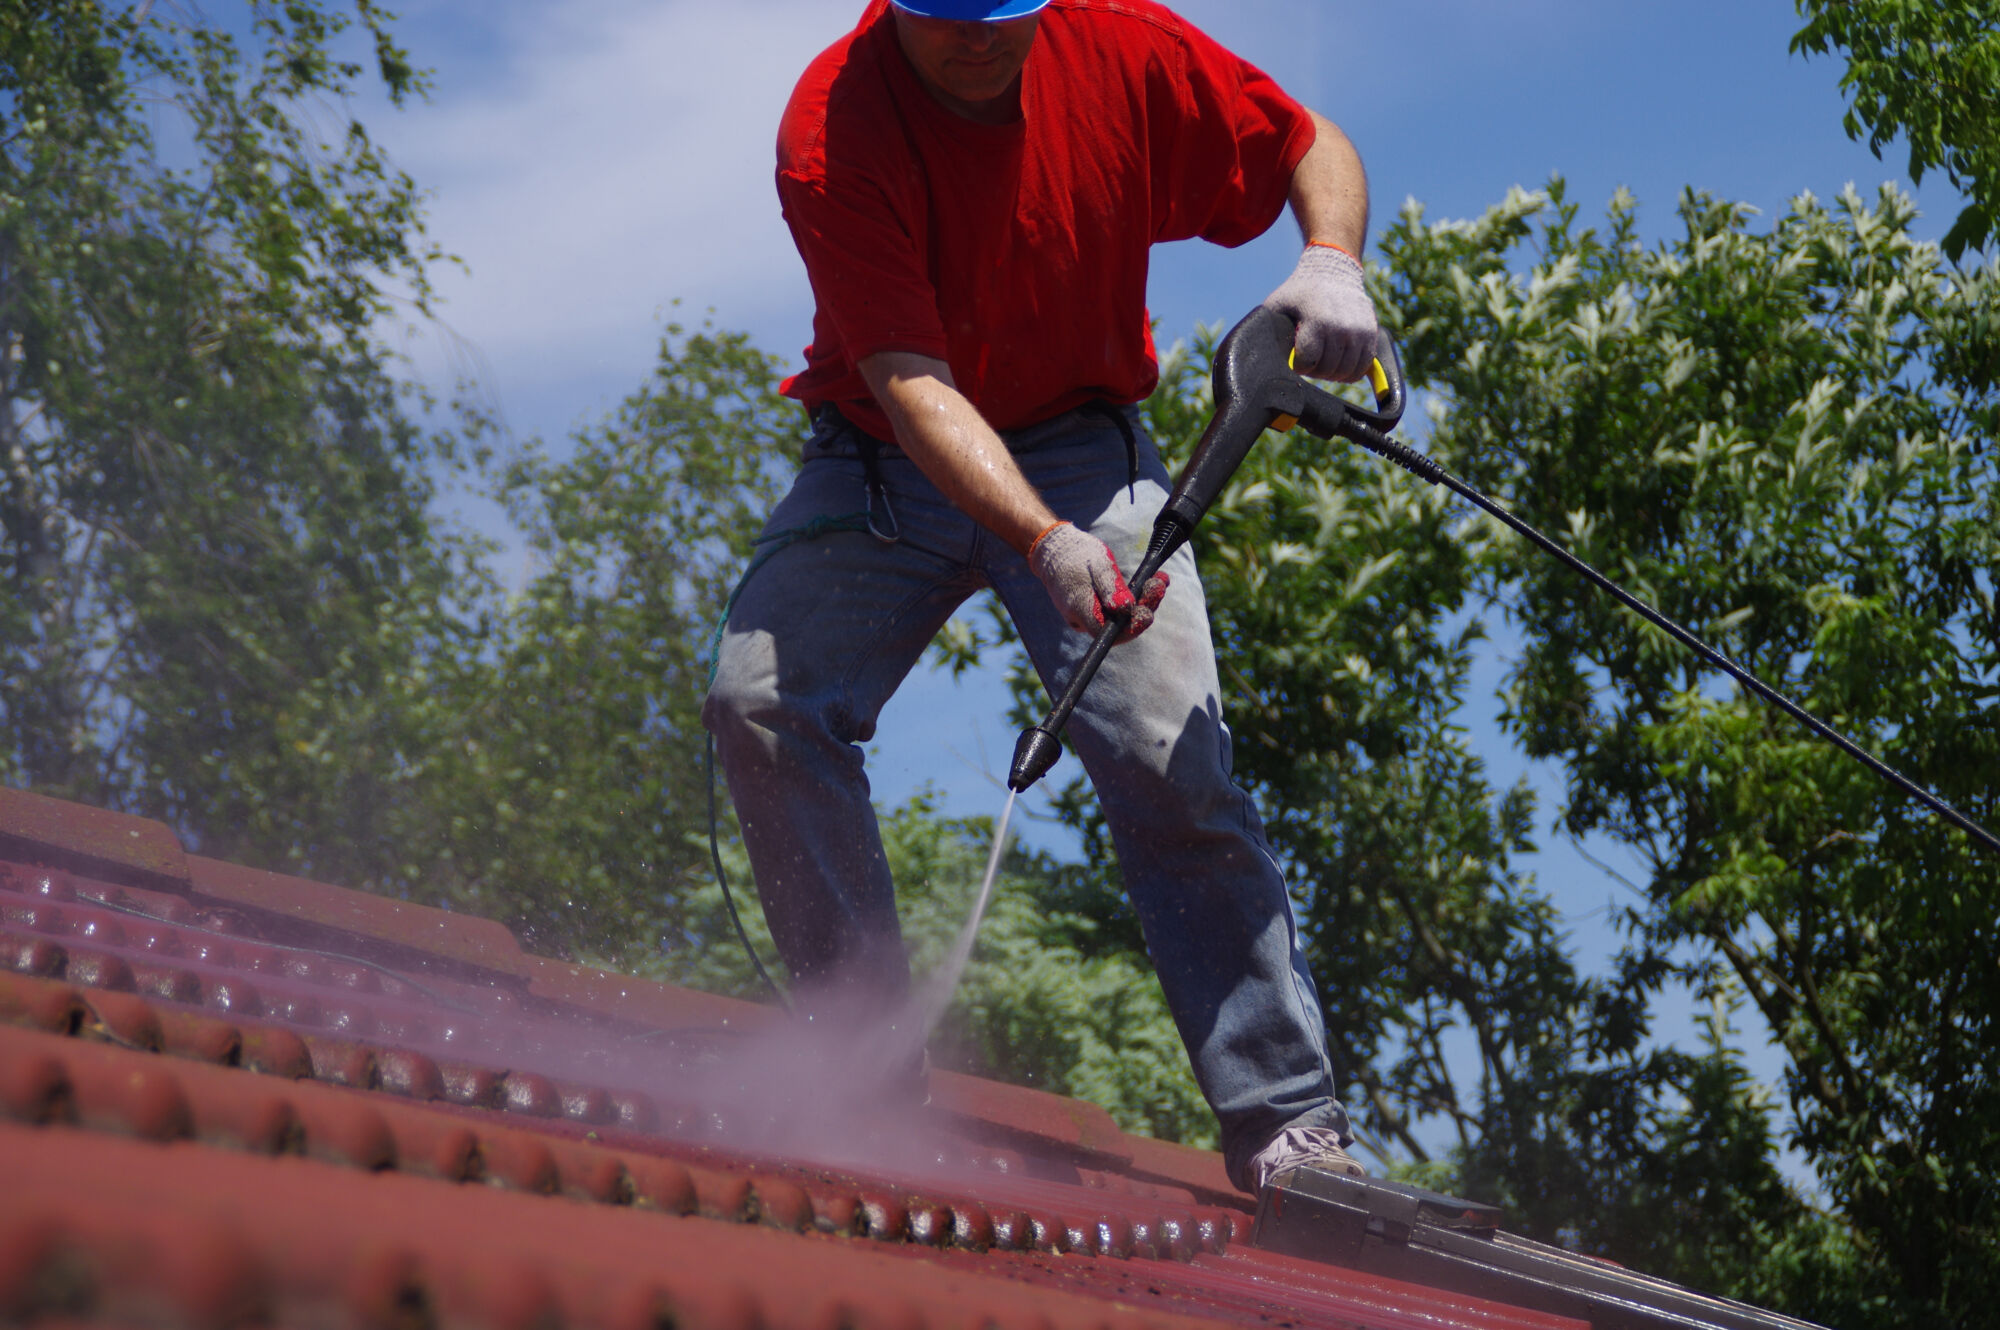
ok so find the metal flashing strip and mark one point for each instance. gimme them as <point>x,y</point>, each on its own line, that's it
<point>115,847</point>
<point>1408,1233</point>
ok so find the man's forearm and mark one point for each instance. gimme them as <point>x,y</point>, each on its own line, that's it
<point>951,443</point>
<point>1330,190</point>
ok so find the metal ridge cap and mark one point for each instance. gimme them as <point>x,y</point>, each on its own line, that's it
<point>131,850</point>
<point>406,933</point>
<point>650,1002</point>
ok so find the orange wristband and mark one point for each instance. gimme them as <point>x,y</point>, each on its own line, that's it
<point>1045,531</point>
<point>1328,244</point>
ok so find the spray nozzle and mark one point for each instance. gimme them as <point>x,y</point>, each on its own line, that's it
<point>1034,753</point>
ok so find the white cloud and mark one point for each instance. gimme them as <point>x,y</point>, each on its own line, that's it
<point>590,163</point>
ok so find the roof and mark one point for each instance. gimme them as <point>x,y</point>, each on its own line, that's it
<point>231,1097</point>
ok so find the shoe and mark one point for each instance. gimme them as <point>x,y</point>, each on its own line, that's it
<point>1303,1147</point>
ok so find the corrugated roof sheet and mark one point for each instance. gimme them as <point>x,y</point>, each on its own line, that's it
<point>230,1097</point>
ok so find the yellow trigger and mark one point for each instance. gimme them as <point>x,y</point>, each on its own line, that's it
<point>1378,378</point>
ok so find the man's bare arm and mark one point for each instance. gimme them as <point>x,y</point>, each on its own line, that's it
<point>1327,296</point>
<point>954,447</point>
<point>1330,190</point>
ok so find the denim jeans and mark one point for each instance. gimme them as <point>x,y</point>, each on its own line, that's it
<point>824,632</point>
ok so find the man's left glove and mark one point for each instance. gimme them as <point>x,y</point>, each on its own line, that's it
<point>1326,297</point>
<point>1082,577</point>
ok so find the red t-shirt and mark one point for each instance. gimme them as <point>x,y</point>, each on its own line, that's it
<point>1017,253</point>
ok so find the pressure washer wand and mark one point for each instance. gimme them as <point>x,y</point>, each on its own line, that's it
<point>1255,389</point>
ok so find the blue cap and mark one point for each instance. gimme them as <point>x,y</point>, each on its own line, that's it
<point>990,11</point>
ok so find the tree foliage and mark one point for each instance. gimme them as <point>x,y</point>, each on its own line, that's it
<point>213,525</point>
<point>574,786</point>
<point>1785,440</point>
<point>1929,72</point>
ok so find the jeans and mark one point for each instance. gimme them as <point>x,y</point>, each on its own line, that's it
<point>825,631</point>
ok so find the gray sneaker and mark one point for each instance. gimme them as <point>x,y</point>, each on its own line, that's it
<point>1303,1147</point>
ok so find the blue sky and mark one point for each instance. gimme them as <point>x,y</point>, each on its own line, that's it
<point>593,163</point>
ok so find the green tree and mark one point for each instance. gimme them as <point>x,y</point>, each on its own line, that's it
<point>1929,72</point>
<point>213,526</point>
<point>1786,441</point>
<point>569,799</point>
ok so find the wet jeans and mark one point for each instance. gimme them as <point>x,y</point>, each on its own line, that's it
<point>825,631</point>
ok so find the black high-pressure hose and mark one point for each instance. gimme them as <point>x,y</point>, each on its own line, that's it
<point>1256,389</point>
<point>1425,469</point>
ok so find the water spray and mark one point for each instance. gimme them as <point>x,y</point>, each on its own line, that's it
<point>941,983</point>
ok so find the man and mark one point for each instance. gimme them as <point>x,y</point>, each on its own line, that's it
<point>974,186</point>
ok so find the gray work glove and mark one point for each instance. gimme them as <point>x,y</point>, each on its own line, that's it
<point>1326,298</point>
<point>1082,577</point>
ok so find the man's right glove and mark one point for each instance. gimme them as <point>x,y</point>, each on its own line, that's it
<point>1082,577</point>
<point>1327,298</point>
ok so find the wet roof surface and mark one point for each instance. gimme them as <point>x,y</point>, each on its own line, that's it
<point>229,1097</point>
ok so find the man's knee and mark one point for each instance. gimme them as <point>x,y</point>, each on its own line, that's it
<point>755,717</point>
<point>743,696</point>
<point>1173,785</point>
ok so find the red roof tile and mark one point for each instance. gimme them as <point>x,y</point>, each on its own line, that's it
<point>229,1096</point>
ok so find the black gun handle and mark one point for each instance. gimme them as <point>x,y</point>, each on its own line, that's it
<point>1256,389</point>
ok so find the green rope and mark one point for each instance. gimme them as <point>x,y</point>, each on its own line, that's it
<point>729,898</point>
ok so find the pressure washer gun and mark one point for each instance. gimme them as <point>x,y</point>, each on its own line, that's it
<point>1256,389</point>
